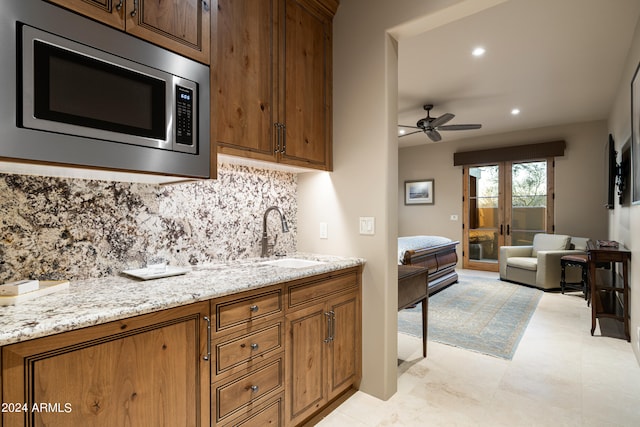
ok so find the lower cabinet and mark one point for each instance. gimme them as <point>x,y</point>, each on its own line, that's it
<point>282,353</point>
<point>149,370</point>
<point>323,344</point>
<point>274,356</point>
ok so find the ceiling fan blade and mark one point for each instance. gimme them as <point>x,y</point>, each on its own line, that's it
<point>439,121</point>
<point>407,126</point>
<point>433,135</point>
<point>460,127</point>
<point>410,133</point>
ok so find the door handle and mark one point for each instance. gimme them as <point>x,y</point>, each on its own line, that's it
<point>329,337</point>
<point>508,229</point>
<point>283,129</point>
<point>208,355</point>
<point>333,324</point>
<point>278,136</point>
<point>501,226</point>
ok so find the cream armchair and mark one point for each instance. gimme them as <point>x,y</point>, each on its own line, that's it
<point>539,264</point>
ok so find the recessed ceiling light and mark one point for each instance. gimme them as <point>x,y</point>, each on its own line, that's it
<point>479,51</point>
<point>515,111</point>
<point>401,131</point>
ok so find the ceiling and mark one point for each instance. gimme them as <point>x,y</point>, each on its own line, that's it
<point>558,61</point>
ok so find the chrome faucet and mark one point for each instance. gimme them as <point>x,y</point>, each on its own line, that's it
<point>265,239</point>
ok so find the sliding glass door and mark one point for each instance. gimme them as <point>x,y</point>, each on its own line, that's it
<point>505,203</point>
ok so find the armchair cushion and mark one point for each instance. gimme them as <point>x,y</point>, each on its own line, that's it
<point>550,242</point>
<point>527,263</point>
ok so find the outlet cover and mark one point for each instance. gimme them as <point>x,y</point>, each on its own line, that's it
<point>324,230</point>
<point>367,225</point>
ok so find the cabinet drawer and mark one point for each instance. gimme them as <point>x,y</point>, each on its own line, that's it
<point>270,414</point>
<point>238,351</point>
<point>240,393</point>
<point>312,291</point>
<point>240,311</point>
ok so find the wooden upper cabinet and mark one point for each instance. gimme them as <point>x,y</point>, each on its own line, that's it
<point>182,26</point>
<point>110,12</point>
<point>243,95</point>
<point>307,86</point>
<point>271,89</point>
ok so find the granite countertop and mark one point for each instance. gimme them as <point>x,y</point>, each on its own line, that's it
<point>95,301</point>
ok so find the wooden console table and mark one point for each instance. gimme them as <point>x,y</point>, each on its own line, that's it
<point>413,288</point>
<point>609,290</point>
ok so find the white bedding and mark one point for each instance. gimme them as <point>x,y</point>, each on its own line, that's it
<point>416,242</point>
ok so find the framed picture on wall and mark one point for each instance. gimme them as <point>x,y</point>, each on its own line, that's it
<point>418,192</point>
<point>635,138</point>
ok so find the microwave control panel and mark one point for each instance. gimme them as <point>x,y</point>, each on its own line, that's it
<point>184,115</point>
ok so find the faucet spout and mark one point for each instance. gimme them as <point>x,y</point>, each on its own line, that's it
<point>265,237</point>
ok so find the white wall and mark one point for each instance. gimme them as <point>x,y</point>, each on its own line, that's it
<point>580,180</point>
<point>364,180</point>
<point>625,220</point>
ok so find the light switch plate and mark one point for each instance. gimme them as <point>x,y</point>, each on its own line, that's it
<point>367,225</point>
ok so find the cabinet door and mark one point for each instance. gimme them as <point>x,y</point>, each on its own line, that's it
<point>182,26</point>
<point>143,371</point>
<point>306,95</point>
<point>306,353</point>
<point>110,12</point>
<point>243,87</point>
<point>344,348</point>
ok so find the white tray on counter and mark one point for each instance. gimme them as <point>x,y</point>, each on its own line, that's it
<point>148,274</point>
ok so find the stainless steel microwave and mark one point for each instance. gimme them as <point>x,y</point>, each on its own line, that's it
<point>79,93</point>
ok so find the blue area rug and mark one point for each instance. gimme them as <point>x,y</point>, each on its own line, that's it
<point>479,314</point>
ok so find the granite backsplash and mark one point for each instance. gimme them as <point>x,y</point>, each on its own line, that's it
<point>57,228</point>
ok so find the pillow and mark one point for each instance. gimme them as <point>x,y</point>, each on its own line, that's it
<point>550,242</point>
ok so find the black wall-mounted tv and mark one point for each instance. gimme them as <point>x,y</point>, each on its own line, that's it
<point>613,173</point>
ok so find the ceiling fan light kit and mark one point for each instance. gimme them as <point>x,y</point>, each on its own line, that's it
<point>431,125</point>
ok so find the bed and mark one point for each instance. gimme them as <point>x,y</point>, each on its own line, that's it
<point>438,254</point>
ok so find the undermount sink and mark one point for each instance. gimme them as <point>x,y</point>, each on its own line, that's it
<point>293,263</point>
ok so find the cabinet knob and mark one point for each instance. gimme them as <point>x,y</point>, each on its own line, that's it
<point>254,388</point>
<point>254,308</point>
<point>254,346</point>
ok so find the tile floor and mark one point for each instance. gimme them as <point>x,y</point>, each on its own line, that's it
<point>559,376</point>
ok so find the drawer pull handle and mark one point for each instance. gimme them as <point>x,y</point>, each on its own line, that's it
<point>254,388</point>
<point>254,346</point>
<point>254,308</point>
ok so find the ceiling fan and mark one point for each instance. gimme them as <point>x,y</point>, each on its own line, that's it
<point>431,125</point>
